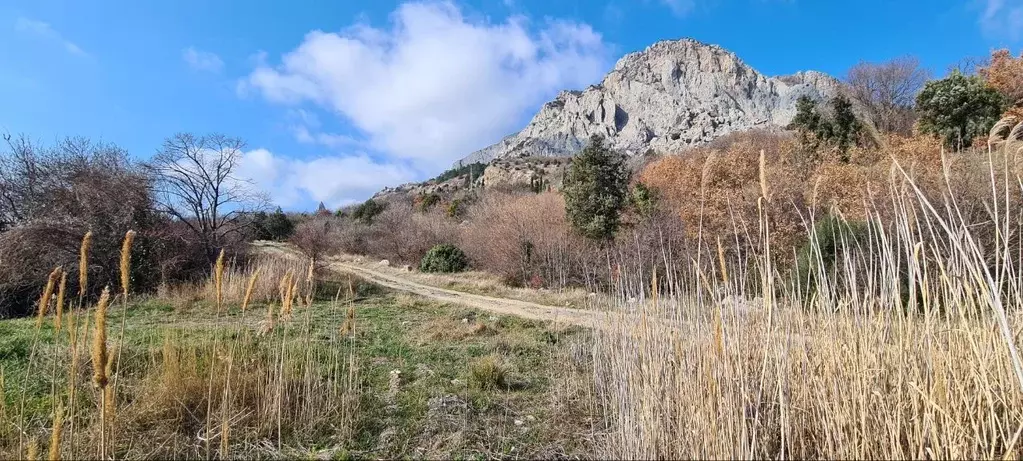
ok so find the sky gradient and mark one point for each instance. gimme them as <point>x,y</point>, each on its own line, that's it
<point>337,99</point>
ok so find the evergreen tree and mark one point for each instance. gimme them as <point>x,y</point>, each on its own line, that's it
<point>845,128</point>
<point>958,108</point>
<point>276,226</point>
<point>279,226</point>
<point>806,117</point>
<point>596,190</point>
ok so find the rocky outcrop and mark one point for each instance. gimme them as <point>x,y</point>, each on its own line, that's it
<point>672,95</point>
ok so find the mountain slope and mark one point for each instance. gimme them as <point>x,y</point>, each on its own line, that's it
<point>672,95</point>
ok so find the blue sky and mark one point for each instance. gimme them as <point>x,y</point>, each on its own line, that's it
<point>337,99</point>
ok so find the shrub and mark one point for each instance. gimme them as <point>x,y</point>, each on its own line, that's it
<point>427,201</point>
<point>399,234</point>
<point>842,129</point>
<point>444,258</point>
<point>456,208</point>
<point>51,196</point>
<point>832,237</point>
<point>473,170</point>
<point>368,210</point>
<point>521,236</point>
<point>316,236</point>
<point>488,373</point>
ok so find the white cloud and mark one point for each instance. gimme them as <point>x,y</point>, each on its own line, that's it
<point>305,126</point>
<point>305,136</point>
<point>204,61</point>
<point>1003,18</point>
<point>435,85</point>
<point>334,180</point>
<point>44,30</point>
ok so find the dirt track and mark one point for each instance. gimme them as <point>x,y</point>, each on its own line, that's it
<point>525,309</point>
<point>504,306</point>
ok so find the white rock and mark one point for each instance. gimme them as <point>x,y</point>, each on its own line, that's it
<point>519,422</point>
<point>385,262</point>
<point>672,95</point>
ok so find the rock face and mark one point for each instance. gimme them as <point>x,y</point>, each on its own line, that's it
<point>670,96</point>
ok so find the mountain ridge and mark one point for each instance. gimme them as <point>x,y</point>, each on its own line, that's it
<point>669,96</point>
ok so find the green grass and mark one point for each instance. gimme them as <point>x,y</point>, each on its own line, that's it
<point>541,408</point>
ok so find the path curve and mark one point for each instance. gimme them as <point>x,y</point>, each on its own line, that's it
<point>504,306</point>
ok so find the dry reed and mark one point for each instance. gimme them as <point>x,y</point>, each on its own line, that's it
<point>904,347</point>
<point>248,289</point>
<point>99,365</point>
<point>125,266</point>
<point>61,289</point>
<point>218,280</point>
<point>83,265</point>
<point>58,422</point>
<point>44,298</point>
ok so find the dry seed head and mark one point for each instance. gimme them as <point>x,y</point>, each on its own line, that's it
<point>126,262</point>
<point>58,421</point>
<point>283,288</point>
<point>721,260</point>
<point>248,289</point>
<point>33,450</point>
<point>348,327</point>
<point>60,301</point>
<point>99,341</point>
<point>218,278</point>
<point>44,299</point>
<point>83,263</point>
<point>653,284</point>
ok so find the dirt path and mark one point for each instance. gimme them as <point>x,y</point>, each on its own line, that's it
<point>504,306</point>
<point>525,309</point>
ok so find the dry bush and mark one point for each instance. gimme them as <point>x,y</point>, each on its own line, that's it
<point>715,190</point>
<point>317,236</point>
<point>402,235</point>
<point>524,239</point>
<point>51,196</point>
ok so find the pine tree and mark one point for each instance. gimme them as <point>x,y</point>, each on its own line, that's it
<point>596,190</point>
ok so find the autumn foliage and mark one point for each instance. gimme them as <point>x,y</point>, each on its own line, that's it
<point>1005,74</point>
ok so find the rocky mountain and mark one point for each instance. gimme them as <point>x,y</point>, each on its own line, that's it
<point>672,95</point>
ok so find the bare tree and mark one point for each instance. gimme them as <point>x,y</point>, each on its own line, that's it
<point>888,91</point>
<point>196,183</point>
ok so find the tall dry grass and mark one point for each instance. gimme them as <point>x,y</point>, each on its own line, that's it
<point>905,347</point>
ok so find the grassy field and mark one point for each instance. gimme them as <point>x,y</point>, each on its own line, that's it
<point>426,381</point>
